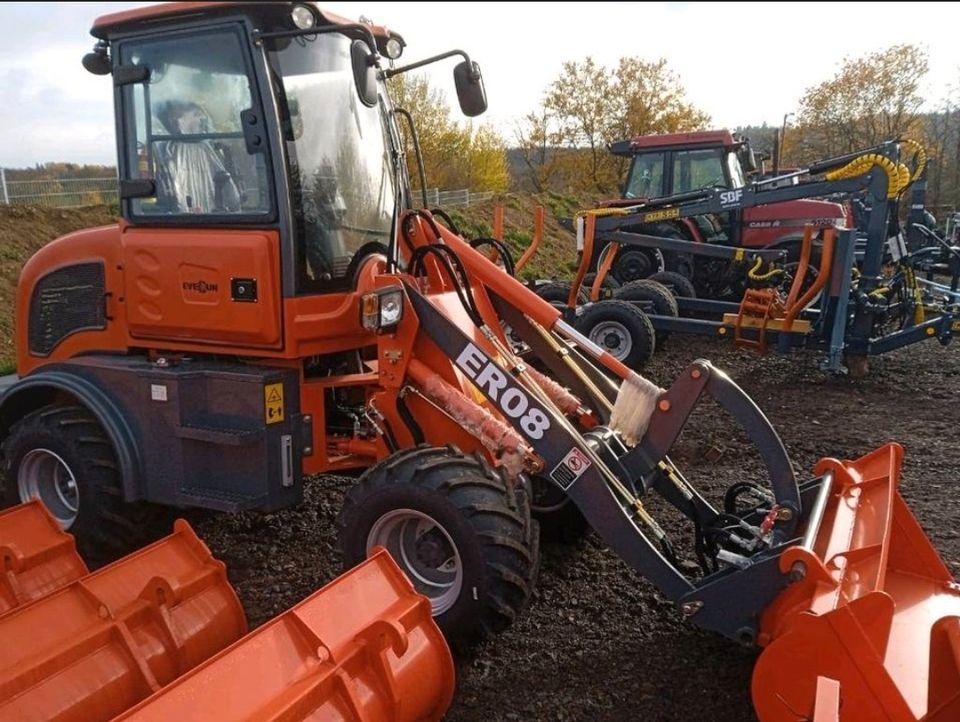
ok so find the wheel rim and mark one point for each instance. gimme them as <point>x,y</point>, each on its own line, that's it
<point>612,337</point>
<point>634,266</point>
<point>425,552</point>
<point>44,475</point>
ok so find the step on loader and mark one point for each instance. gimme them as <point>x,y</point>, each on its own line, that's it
<point>272,306</point>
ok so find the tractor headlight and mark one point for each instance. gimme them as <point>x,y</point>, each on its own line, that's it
<point>383,310</point>
<point>394,48</point>
<point>303,17</point>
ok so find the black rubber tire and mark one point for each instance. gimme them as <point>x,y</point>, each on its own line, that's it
<point>632,264</point>
<point>561,520</point>
<point>792,262</point>
<point>663,301</point>
<point>678,284</point>
<point>486,517</point>
<point>106,527</point>
<point>557,292</point>
<point>610,283</point>
<point>632,320</point>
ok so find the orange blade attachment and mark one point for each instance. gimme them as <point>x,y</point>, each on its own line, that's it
<point>365,647</point>
<point>107,641</point>
<point>872,629</point>
<point>36,556</point>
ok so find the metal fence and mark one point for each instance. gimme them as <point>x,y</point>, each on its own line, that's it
<point>452,199</point>
<point>69,193</point>
<point>63,193</point>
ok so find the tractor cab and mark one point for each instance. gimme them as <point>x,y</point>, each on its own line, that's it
<point>664,165</point>
<point>679,165</point>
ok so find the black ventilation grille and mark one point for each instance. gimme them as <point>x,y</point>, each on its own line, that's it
<point>65,301</point>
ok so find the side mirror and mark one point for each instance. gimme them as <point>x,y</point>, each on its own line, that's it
<point>364,72</point>
<point>748,159</point>
<point>97,63</point>
<point>470,91</point>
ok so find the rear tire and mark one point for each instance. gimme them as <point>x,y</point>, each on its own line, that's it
<point>664,303</point>
<point>621,329</point>
<point>633,264</point>
<point>61,455</point>
<point>459,530</point>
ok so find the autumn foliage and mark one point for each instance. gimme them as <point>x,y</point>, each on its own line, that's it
<point>563,144</point>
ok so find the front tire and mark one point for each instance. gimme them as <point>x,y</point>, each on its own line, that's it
<point>61,455</point>
<point>459,530</point>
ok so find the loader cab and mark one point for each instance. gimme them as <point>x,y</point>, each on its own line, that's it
<point>225,122</point>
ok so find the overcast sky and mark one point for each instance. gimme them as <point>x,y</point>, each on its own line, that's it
<point>742,63</point>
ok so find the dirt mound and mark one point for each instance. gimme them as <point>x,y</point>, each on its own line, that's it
<point>557,254</point>
<point>23,230</point>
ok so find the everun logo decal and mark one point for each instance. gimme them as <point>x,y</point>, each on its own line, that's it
<point>513,401</point>
<point>199,286</point>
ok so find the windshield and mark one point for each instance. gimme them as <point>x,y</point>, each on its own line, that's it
<point>341,178</point>
<point>736,172</point>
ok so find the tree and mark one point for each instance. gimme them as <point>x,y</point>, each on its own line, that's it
<point>870,99</point>
<point>564,143</point>
<point>455,155</point>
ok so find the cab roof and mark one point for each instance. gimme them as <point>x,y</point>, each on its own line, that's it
<point>139,18</point>
<point>632,146</point>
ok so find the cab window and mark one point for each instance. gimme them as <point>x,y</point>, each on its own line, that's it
<point>185,132</point>
<point>646,176</point>
<point>696,169</point>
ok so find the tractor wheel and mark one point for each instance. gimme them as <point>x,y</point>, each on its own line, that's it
<point>560,519</point>
<point>557,293</point>
<point>60,455</point>
<point>656,295</point>
<point>792,264</point>
<point>633,264</point>
<point>678,284</point>
<point>459,530</point>
<point>621,329</point>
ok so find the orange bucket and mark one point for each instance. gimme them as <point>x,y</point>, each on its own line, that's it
<point>100,645</point>
<point>365,647</point>
<point>871,631</point>
<point>36,556</point>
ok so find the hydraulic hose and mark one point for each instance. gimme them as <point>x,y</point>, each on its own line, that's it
<point>858,166</point>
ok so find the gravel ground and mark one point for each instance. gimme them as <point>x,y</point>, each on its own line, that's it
<point>597,642</point>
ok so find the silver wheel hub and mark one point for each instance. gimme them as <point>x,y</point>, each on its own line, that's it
<point>44,475</point>
<point>612,337</point>
<point>426,553</point>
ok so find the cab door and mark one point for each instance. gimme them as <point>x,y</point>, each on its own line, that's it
<point>200,249</point>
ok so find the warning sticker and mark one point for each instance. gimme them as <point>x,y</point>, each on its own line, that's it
<point>570,468</point>
<point>273,403</point>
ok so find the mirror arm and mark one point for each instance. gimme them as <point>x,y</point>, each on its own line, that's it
<point>474,75</point>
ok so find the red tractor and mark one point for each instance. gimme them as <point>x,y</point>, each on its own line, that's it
<point>679,163</point>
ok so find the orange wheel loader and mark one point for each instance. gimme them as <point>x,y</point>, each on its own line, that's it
<point>271,306</point>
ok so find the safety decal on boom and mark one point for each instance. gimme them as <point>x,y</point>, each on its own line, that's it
<point>570,468</point>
